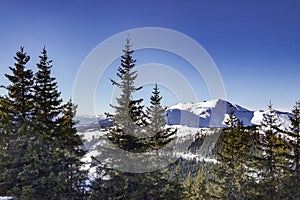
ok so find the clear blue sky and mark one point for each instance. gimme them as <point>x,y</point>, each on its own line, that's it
<point>254,43</point>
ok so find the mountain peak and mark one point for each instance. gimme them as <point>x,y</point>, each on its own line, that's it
<point>212,113</point>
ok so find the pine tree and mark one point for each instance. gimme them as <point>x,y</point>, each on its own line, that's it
<point>199,187</point>
<point>69,152</point>
<point>131,133</point>
<point>293,182</point>
<point>231,172</point>
<point>188,187</point>
<point>47,108</point>
<point>42,152</point>
<point>214,188</point>
<point>275,151</point>
<point>16,108</point>
<point>129,119</point>
<point>295,140</point>
<point>3,146</point>
<point>252,164</point>
<point>127,135</point>
<point>160,136</point>
<point>173,188</point>
<point>20,91</point>
<point>47,100</point>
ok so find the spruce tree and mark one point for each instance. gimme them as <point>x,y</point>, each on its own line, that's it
<point>274,155</point>
<point>131,132</point>
<point>129,119</point>
<point>156,114</point>
<point>199,187</point>
<point>47,108</point>
<point>16,130</point>
<point>47,100</point>
<point>3,146</point>
<point>69,152</point>
<point>19,97</point>
<point>231,154</point>
<point>295,139</point>
<point>42,152</point>
<point>126,135</point>
<point>188,187</point>
<point>293,182</point>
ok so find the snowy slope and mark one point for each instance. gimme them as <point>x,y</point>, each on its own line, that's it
<point>202,114</point>
<point>188,118</point>
<point>213,113</point>
<point>92,122</point>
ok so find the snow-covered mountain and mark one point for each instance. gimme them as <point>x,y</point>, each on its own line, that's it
<point>213,113</point>
<point>91,122</point>
<point>188,118</point>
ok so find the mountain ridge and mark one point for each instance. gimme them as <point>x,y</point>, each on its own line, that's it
<point>211,113</point>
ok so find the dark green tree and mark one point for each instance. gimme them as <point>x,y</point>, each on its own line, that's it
<point>16,132</point>
<point>231,155</point>
<point>20,96</point>
<point>156,114</point>
<point>188,192</point>
<point>42,152</point>
<point>295,140</point>
<point>126,136</point>
<point>69,153</point>
<point>274,155</point>
<point>47,100</point>
<point>47,108</point>
<point>199,188</point>
<point>131,135</point>
<point>129,118</point>
<point>293,181</point>
<point>3,146</point>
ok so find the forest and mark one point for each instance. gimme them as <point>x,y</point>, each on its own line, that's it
<point>41,152</point>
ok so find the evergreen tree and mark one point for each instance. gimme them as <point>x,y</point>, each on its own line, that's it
<point>274,153</point>
<point>214,188</point>
<point>47,108</point>
<point>293,182</point>
<point>127,135</point>
<point>199,187</point>
<point>173,189</point>
<point>253,163</point>
<point>47,100</point>
<point>16,132</point>
<point>160,136</point>
<point>188,187</point>
<point>20,95</point>
<point>57,145</point>
<point>3,146</point>
<point>134,131</point>
<point>231,154</point>
<point>129,118</point>
<point>68,166</point>
<point>42,152</point>
<point>295,139</point>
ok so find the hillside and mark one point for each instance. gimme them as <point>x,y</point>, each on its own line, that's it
<point>206,114</point>
<point>214,112</point>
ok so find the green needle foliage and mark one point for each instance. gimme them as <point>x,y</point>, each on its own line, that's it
<point>231,155</point>
<point>134,134</point>
<point>40,150</point>
<point>160,136</point>
<point>129,118</point>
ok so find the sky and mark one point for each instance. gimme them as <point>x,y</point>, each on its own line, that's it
<point>254,44</point>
